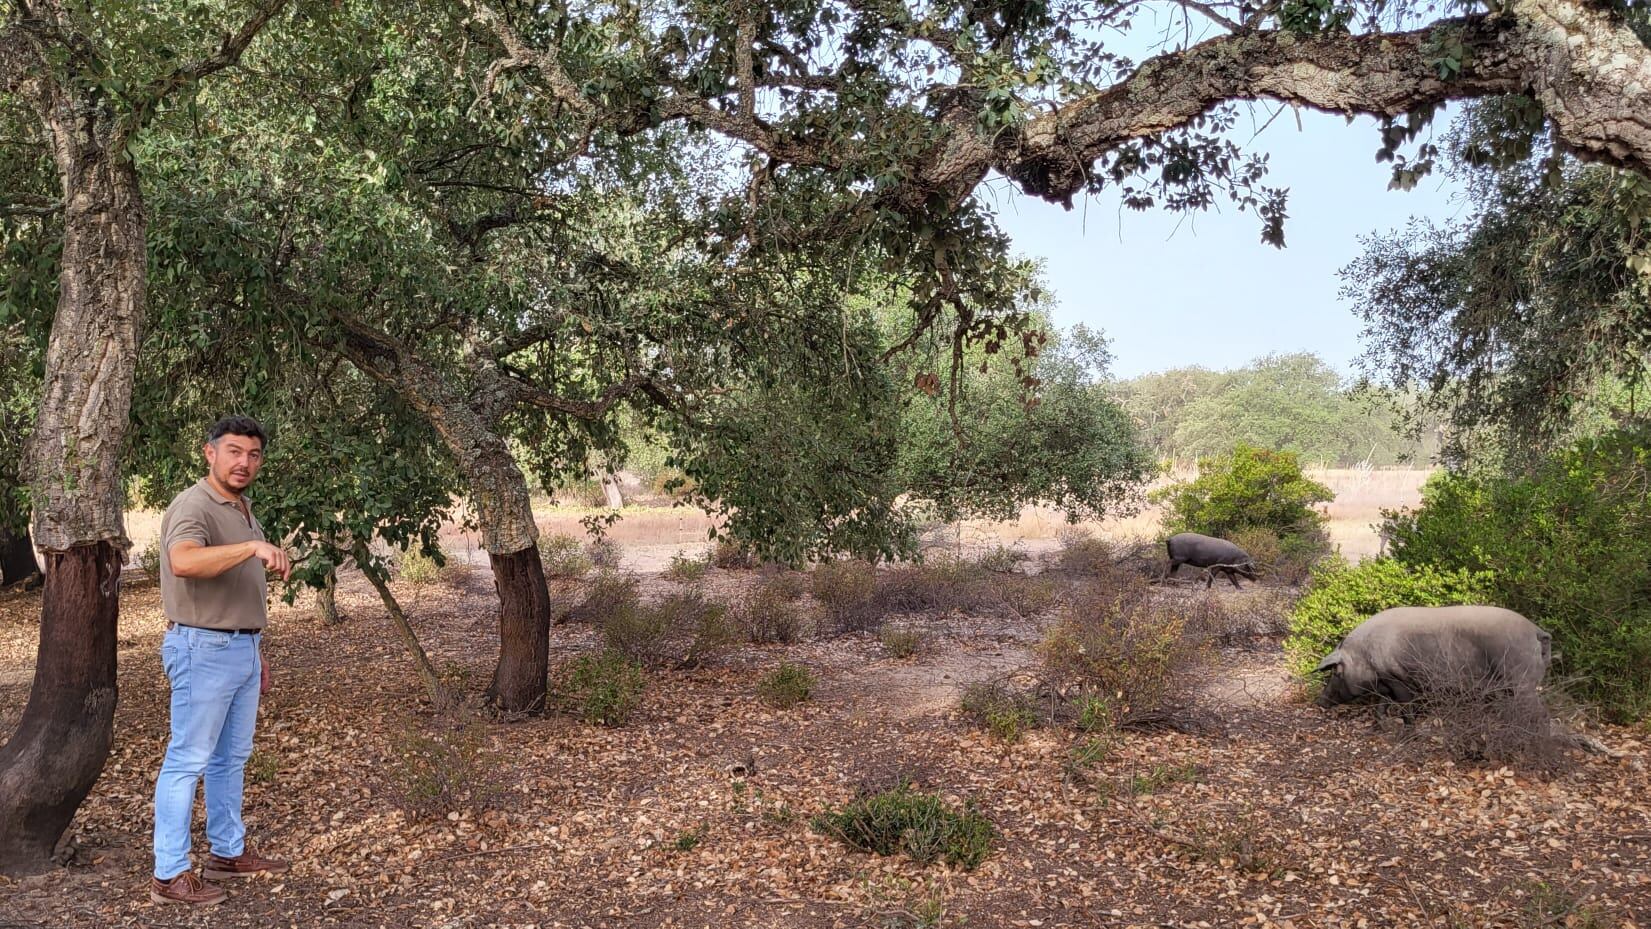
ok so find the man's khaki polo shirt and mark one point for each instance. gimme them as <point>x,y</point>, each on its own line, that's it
<point>233,599</point>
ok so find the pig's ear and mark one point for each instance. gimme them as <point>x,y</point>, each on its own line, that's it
<point>1331,662</point>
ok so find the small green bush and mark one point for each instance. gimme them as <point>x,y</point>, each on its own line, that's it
<point>563,556</point>
<point>417,567</point>
<point>1250,487</point>
<point>686,570</point>
<point>770,612</point>
<point>1340,597</point>
<point>443,768</point>
<point>604,689</point>
<point>1004,712</point>
<point>608,593</point>
<point>847,591</point>
<point>901,641</point>
<point>683,630</point>
<point>150,560</point>
<point>1120,642</point>
<point>923,826</point>
<point>786,686</point>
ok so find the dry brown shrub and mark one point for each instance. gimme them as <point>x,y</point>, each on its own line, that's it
<point>770,612</point>
<point>1482,718</point>
<point>444,766</point>
<point>846,591</point>
<point>609,593</point>
<point>683,630</point>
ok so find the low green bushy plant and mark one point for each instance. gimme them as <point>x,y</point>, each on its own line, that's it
<point>901,641</point>
<point>604,689</point>
<point>685,569</point>
<point>903,819</point>
<point>786,686</point>
<point>1249,488</point>
<point>1001,710</point>
<point>682,630</point>
<point>417,567</point>
<point>150,560</point>
<point>563,556</point>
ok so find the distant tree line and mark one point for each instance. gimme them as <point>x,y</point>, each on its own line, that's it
<point>1291,402</point>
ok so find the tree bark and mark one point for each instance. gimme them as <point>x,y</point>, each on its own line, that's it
<point>500,495</point>
<point>326,600</point>
<point>51,761</point>
<point>519,681</point>
<point>54,757</point>
<point>17,563</point>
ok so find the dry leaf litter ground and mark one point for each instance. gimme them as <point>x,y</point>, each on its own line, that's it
<point>697,812</point>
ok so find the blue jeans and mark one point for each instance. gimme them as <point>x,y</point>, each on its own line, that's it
<point>214,679</point>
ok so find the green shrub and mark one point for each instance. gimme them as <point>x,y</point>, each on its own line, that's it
<point>923,826</point>
<point>1251,487</point>
<point>682,630</point>
<point>417,567</point>
<point>150,560</point>
<point>686,570</point>
<point>1004,712</point>
<point>444,768</point>
<point>563,556</point>
<point>786,686</point>
<point>1119,642</point>
<point>604,689</point>
<point>608,593</point>
<point>1340,597</point>
<point>770,612</point>
<point>1000,559</point>
<point>1570,546</point>
<point>901,641</point>
<point>847,591</point>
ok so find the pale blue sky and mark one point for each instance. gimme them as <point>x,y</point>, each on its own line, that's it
<point>1210,293</point>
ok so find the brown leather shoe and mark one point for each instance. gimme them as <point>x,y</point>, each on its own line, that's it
<point>247,864</point>
<point>185,888</point>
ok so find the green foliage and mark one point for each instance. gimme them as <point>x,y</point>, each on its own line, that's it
<point>1527,320</point>
<point>682,630</point>
<point>564,556</point>
<point>786,686</point>
<point>847,591</point>
<point>1292,402</point>
<point>1569,545</point>
<point>150,560</point>
<point>901,641</point>
<point>971,454</point>
<point>1004,712</point>
<point>604,689</point>
<point>685,569</point>
<point>770,612</point>
<point>1341,596</point>
<point>445,768</point>
<point>419,566</point>
<point>1250,488</point>
<point>923,826</point>
<point>1114,641</point>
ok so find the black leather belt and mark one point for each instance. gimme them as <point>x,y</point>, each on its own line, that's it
<point>170,624</point>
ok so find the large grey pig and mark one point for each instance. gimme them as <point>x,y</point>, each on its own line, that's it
<point>1212,554</point>
<point>1400,654</point>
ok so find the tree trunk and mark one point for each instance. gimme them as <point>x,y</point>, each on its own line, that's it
<point>610,490</point>
<point>524,632</point>
<point>17,562</point>
<point>51,761</point>
<point>326,600</point>
<point>498,491</point>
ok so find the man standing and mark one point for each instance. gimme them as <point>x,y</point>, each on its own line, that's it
<point>213,563</point>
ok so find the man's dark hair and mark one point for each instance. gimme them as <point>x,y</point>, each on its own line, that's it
<point>238,425</point>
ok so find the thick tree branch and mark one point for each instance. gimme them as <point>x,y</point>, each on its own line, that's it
<point>228,54</point>
<point>1589,71</point>
<point>519,54</point>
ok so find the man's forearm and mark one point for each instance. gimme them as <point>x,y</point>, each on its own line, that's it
<point>203,561</point>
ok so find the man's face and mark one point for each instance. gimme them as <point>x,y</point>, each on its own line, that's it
<point>234,460</point>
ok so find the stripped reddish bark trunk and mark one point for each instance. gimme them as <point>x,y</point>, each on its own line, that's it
<point>51,761</point>
<point>524,632</point>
